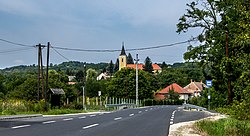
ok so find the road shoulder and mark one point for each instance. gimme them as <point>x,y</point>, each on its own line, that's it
<point>188,128</point>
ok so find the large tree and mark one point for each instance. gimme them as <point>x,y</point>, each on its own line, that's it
<point>122,85</point>
<point>130,59</point>
<point>224,42</point>
<point>148,65</point>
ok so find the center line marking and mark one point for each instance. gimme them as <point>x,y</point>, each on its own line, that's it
<point>68,119</point>
<point>92,115</point>
<point>139,112</point>
<point>83,117</point>
<point>118,118</point>
<point>90,126</point>
<point>20,126</point>
<point>131,115</point>
<point>48,122</point>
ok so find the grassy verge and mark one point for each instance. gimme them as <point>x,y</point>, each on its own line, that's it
<point>224,127</point>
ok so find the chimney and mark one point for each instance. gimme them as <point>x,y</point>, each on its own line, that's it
<point>191,80</point>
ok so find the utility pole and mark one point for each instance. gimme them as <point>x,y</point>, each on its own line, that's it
<point>47,77</point>
<point>40,71</point>
<point>228,71</point>
<point>83,87</point>
<point>136,89</point>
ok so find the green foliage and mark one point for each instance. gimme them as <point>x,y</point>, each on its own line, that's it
<point>224,127</point>
<point>148,65</point>
<point>181,74</point>
<point>122,85</point>
<point>111,67</point>
<point>173,95</point>
<point>222,23</point>
<point>130,59</point>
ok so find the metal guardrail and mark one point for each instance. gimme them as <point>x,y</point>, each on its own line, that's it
<point>19,117</point>
<point>121,106</point>
<point>190,106</point>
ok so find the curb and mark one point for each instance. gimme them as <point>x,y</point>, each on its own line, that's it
<point>2,118</point>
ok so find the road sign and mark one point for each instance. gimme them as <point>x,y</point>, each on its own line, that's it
<point>209,83</point>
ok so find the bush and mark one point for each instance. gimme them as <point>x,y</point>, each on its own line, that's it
<point>228,127</point>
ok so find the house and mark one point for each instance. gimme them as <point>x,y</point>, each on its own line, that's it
<point>195,88</point>
<point>71,80</point>
<point>102,76</point>
<point>123,63</point>
<point>183,93</point>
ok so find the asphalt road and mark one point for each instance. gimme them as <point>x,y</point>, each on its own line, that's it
<point>148,121</point>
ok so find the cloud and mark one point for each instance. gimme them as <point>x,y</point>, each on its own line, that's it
<point>18,62</point>
<point>20,7</point>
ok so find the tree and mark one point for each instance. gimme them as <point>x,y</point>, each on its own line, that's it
<point>80,76</point>
<point>116,68</point>
<point>224,42</point>
<point>130,59</point>
<point>122,85</point>
<point>111,67</point>
<point>148,65</point>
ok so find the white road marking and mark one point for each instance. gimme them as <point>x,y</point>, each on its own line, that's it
<point>83,117</point>
<point>48,122</point>
<point>146,110</point>
<point>171,119</point>
<point>92,115</point>
<point>151,108</point>
<point>20,126</point>
<point>90,126</point>
<point>68,119</point>
<point>118,118</point>
<point>131,115</point>
<point>171,122</point>
<point>139,111</point>
<point>101,113</point>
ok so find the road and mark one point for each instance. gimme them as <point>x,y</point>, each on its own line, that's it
<point>148,121</point>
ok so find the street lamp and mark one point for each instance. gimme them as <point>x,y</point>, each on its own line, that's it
<point>83,87</point>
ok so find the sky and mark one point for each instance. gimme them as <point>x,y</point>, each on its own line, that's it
<point>91,25</point>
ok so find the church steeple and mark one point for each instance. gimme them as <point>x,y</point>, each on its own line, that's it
<point>123,50</point>
<point>122,58</point>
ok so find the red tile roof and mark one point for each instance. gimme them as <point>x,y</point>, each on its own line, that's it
<point>156,67</point>
<point>176,88</point>
<point>140,66</point>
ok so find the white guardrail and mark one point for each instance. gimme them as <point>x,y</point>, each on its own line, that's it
<point>190,106</point>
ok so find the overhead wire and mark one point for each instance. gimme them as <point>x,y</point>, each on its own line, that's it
<point>59,53</point>
<point>132,49</point>
<point>14,43</point>
<point>14,50</point>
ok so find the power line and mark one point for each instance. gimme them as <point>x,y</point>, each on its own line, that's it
<point>133,49</point>
<point>14,43</point>
<point>59,53</point>
<point>15,50</point>
<point>104,50</point>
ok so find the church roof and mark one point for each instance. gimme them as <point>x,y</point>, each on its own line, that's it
<point>123,50</point>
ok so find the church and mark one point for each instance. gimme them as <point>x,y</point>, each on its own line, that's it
<point>123,63</point>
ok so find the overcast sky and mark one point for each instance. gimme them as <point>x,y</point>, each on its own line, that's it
<point>91,24</point>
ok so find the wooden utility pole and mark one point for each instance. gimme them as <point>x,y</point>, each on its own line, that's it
<point>40,71</point>
<point>228,71</point>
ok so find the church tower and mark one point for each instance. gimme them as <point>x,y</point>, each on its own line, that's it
<point>122,58</point>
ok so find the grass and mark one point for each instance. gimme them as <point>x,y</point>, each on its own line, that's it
<point>224,127</point>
